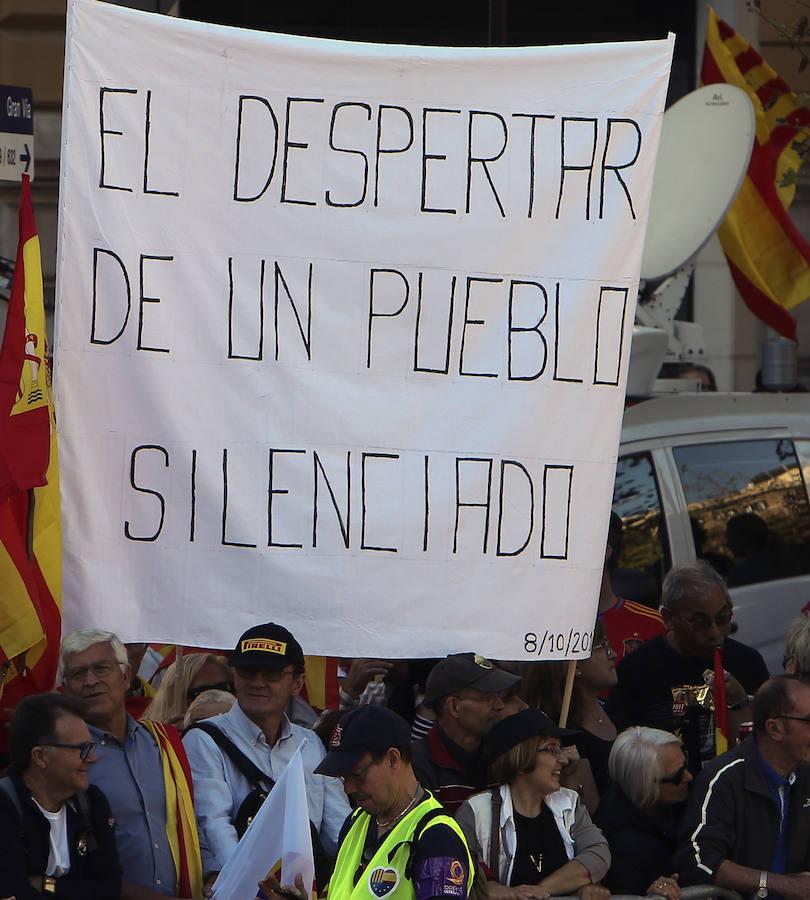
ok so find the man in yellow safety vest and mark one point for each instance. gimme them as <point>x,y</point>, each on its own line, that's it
<point>398,843</point>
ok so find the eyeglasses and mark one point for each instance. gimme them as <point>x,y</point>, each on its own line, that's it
<point>271,675</point>
<point>487,699</point>
<point>554,749</point>
<point>795,718</point>
<point>85,748</point>
<point>194,692</point>
<point>702,621</point>
<point>101,669</point>
<point>358,776</point>
<point>602,645</point>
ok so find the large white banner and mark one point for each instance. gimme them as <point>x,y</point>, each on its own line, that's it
<point>343,332</point>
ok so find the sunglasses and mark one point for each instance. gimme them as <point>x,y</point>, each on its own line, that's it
<point>702,621</point>
<point>85,748</point>
<point>195,692</point>
<point>271,675</point>
<point>676,777</point>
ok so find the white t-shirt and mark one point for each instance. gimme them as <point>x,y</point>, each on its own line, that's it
<point>59,853</point>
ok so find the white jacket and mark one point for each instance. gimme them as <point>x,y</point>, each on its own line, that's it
<point>583,840</point>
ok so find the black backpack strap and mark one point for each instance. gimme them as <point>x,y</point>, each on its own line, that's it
<point>248,768</point>
<point>7,786</point>
<point>495,832</point>
<point>86,821</point>
<point>414,840</point>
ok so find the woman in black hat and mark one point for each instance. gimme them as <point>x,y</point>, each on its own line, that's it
<point>533,837</point>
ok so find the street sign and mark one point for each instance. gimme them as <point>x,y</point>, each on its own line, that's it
<point>16,132</point>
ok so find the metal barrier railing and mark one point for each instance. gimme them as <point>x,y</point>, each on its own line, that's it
<point>695,892</point>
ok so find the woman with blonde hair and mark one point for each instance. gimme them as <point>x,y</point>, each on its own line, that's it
<point>199,672</point>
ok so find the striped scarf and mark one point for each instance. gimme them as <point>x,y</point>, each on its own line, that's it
<point>181,826</point>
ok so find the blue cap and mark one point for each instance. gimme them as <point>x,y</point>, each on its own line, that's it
<point>367,729</point>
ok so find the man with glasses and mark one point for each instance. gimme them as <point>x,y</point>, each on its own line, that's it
<point>747,824</point>
<point>268,668</point>
<point>140,767</point>
<point>666,682</point>
<point>466,691</point>
<point>58,832</point>
<point>398,841</point>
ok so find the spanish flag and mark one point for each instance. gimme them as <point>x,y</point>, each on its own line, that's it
<point>321,682</point>
<point>768,258</point>
<point>721,733</point>
<point>30,534</point>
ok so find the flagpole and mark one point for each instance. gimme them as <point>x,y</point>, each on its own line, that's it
<point>568,691</point>
<point>179,693</point>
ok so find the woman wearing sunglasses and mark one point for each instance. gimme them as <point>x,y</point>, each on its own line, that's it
<point>200,672</point>
<point>640,813</point>
<point>532,837</point>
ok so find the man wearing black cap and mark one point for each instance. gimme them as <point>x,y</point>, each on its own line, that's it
<point>268,666</point>
<point>398,843</point>
<point>466,691</point>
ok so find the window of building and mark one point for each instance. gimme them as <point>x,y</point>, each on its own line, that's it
<point>748,506</point>
<point>645,557</point>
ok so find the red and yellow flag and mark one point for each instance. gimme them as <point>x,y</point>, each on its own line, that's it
<point>30,534</point>
<point>768,257</point>
<point>181,824</point>
<point>722,740</point>
<point>321,682</point>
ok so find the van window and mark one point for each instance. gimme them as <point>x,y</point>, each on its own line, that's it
<point>645,555</point>
<point>748,506</point>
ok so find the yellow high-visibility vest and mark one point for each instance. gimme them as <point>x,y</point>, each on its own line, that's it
<point>385,875</point>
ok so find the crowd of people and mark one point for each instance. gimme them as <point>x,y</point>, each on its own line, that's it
<point>451,779</point>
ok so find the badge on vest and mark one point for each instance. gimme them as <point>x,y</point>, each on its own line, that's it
<point>383,880</point>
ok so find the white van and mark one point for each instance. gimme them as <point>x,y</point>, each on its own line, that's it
<point>723,477</point>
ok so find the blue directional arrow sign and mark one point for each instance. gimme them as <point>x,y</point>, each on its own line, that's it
<point>16,132</point>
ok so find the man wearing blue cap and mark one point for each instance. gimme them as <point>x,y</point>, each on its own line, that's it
<point>398,843</point>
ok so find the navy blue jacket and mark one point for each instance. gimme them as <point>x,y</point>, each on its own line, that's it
<point>95,874</point>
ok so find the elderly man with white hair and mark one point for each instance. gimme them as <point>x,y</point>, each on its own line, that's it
<point>140,767</point>
<point>639,815</point>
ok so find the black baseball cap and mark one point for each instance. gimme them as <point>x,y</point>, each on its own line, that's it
<point>367,729</point>
<point>466,670</point>
<point>521,726</point>
<point>267,646</point>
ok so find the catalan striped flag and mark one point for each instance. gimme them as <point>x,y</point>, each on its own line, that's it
<point>768,257</point>
<point>721,733</point>
<point>30,534</point>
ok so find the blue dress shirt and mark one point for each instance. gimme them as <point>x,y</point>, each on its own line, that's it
<point>131,776</point>
<point>220,788</point>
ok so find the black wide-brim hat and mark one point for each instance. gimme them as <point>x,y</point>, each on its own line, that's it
<point>521,726</point>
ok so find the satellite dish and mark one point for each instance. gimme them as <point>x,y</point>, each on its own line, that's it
<point>703,155</point>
